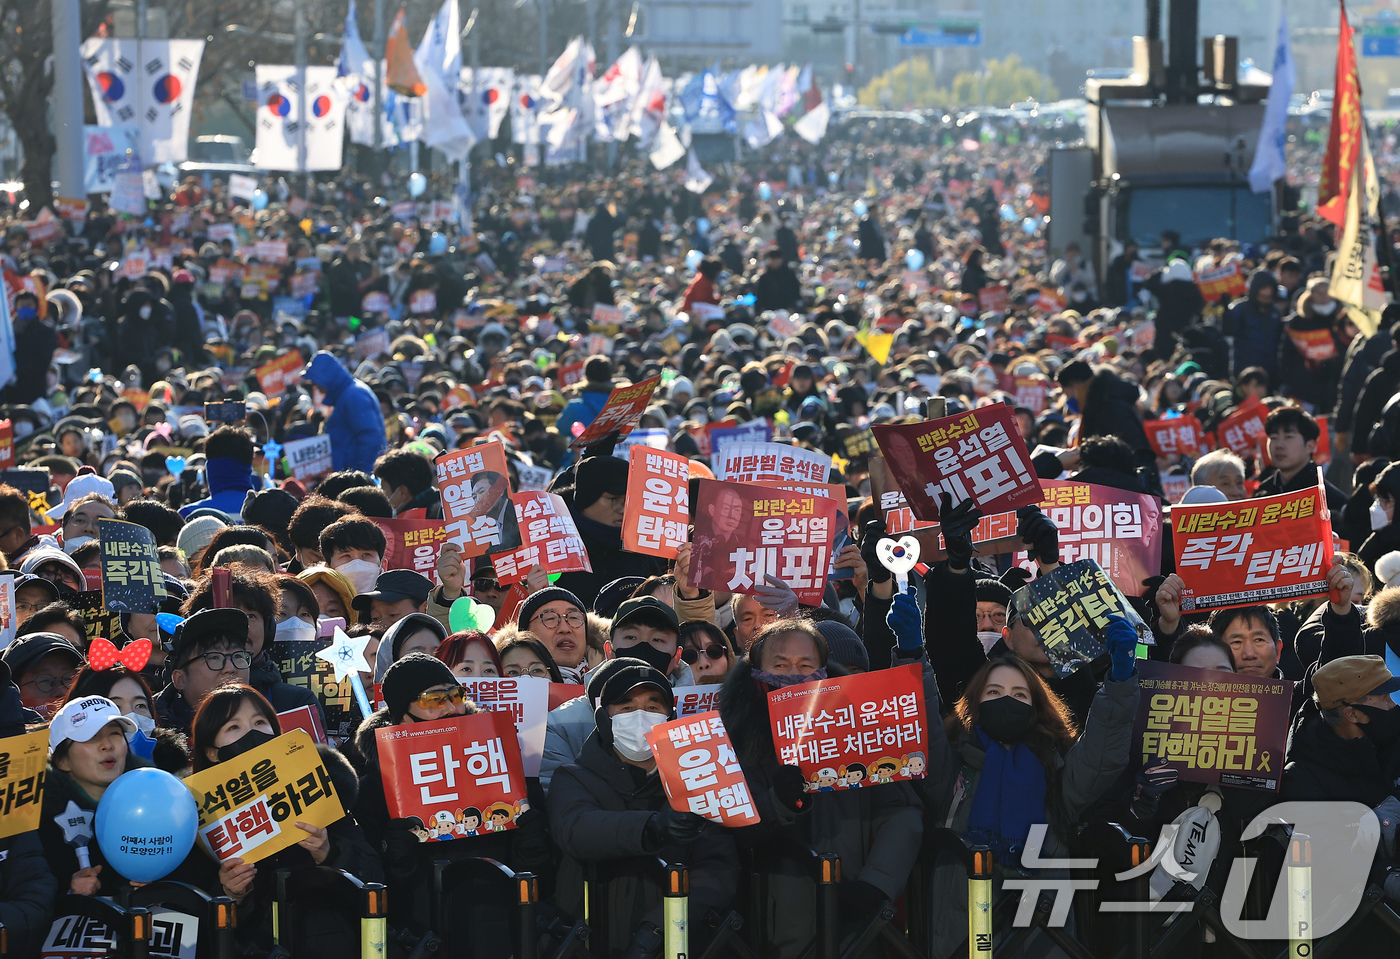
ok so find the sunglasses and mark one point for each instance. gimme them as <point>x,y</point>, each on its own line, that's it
<point>486,584</point>
<point>714,651</point>
<point>437,698</point>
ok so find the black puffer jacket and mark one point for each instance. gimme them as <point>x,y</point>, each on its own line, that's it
<point>27,891</point>
<point>1381,385</point>
<point>1111,410</point>
<point>1320,765</point>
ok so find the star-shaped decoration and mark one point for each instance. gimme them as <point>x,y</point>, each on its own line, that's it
<point>76,824</point>
<point>272,450</point>
<point>346,655</point>
<point>141,744</point>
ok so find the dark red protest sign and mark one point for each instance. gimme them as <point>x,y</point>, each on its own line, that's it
<point>458,777</point>
<point>413,544</point>
<point>1182,436</point>
<point>1120,531</point>
<point>549,538</point>
<point>1243,430</point>
<point>1212,726</point>
<point>745,532</point>
<point>620,415</point>
<point>849,732</point>
<point>7,444</point>
<point>700,772</point>
<point>978,455</point>
<point>1265,550</point>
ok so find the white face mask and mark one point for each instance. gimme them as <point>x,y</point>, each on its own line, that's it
<point>294,630</point>
<point>23,428</point>
<point>1325,309</point>
<point>361,573</point>
<point>1378,518</point>
<point>71,546</point>
<point>989,638</point>
<point>145,312</point>
<point>144,723</point>
<point>630,733</point>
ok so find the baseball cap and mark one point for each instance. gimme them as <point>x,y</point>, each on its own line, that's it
<point>204,626</point>
<point>648,610</point>
<point>84,718</point>
<point>394,585</point>
<point>24,652</point>
<point>1351,679</point>
<point>29,579</point>
<point>80,486</point>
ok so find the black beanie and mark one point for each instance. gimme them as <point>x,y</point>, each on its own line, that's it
<point>598,475</point>
<point>409,677</point>
<point>992,591</point>
<point>549,594</point>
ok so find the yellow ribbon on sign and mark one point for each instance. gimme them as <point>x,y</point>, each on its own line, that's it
<point>39,503</point>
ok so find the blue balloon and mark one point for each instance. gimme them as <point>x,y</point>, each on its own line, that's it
<point>437,244</point>
<point>1008,213</point>
<point>859,208</point>
<point>259,200</point>
<point>146,824</point>
<point>693,258</point>
<point>765,192</point>
<point>703,224</point>
<point>1029,226</point>
<point>417,183</point>
<point>914,259</point>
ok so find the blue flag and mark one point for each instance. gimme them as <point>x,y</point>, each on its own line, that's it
<point>1270,163</point>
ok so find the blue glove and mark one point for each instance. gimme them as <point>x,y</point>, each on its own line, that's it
<point>1122,647</point>
<point>905,622</point>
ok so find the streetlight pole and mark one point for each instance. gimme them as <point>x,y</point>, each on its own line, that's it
<point>378,74</point>
<point>67,105</point>
<point>544,38</point>
<point>299,32</point>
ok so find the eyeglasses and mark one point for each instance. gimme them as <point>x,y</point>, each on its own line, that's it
<point>714,651</point>
<point>437,698</point>
<point>997,619</point>
<point>550,619</point>
<point>29,607</point>
<point>240,658</point>
<point>486,585</point>
<point>538,670</point>
<point>46,683</point>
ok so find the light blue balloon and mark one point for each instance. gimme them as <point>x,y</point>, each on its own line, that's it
<point>1008,213</point>
<point>859,208</point>
<point>833,178</point>
<point>437,244</point>
<point>914,259</point>
<point>259,200</point>
<point>765,192</point>
<point>1028,226</point>
<point>703,224</point>
<point>146,824</point>
<point>831,236</point>
<point>175,465</point>
<point>417,183</point>
<point>692,259</point>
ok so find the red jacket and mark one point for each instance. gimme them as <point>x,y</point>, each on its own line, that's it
<point>701,290</point>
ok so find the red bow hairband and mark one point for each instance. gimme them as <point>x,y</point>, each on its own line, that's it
<point>103,655</point>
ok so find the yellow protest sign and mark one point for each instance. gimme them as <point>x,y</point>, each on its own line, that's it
<point>23,760</point>
<point>249,806</point>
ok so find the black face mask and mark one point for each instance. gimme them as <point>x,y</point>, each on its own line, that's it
<point>1005,719</point>
<point>1384,725</point>
<point>250,740</point>
<point>649,654</point>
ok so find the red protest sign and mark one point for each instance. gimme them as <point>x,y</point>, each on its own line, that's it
<point>1315,345</point>
<point>1050,300</point>
<point>305,718</point>
<point>848,732</point>
<point>620,415</point>
<point>1120,531</point>
<point>699,770</point>
<point>561,693</point>
<point>7,444</point>
<point>978,455</point>
<point>548,538</point>
<point>475,487</point>
<point>571,374</point>
<point>1182,436</point>
<point>1262,550</point>
<point>1243,429</point>
<point>458,777</point>
<point>743,533</point>
<point>656,519</point>
<point>992,299</point>
<point>1224,281</point>
<point>1323,456</point>
<point>413,544</point>
<point>276,376</point>
<point>1031,391</point>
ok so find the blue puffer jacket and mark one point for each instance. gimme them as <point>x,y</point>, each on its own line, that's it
<point>584,409</point>
<point>229,483</point>
<point>356,425</point>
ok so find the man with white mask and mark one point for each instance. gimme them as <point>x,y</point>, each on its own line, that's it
<point>354,547</point>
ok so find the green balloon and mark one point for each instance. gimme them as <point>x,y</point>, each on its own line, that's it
<point>467,613</point>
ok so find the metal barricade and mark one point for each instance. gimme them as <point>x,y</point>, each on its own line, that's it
<point>218,916</point>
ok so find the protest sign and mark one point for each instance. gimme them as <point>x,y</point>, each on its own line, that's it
<point>994,533</point>
<point>1317,346</point>
<point>249,806</point>
<point>1120,531</point>
<point>754,431</point>
<point>1175,485</point>
<point>413,544</point>
<point>693,700</point>
<point>1264,550</point>
<point>699,770</point>
<point>132,580</point>
<point>1243,430</point>
<point>744,533</point>
<point>533,477</point>
<point>782,324</point>
<point>607,315</point>
<point>992,299</point>
<point>561,693</point>
<point>271,251</point>
<point>859,443</point>
<point>648,439</point>
<point>1069,607</point>
<point>174,935</point>
<point>840,529</point>
<point>596,344</point>
<point>656,518</point>
<point>1212,726</point>
<point>305,718</point>
<point>98,621</point>
<point>1030,392</point>
<point>475,487</point>
<point>23,760</point>
<point>978,455</point>
<point>375,301</point>
<point>549,538</point>
<point>526,700</point>
<point>620,415</point>
<point>752,462</point>
<point>310,457</point>
<point>849,732</point>
<point>275,376</point>
<point>298,664</point>
<point>422,301</point>
<point>460,776</point>
<point>7,444</point>
<point>1050,300</point>
<point>371,344</point>
<point>571,373</point>
<point>1182,436</point>
<point>1225,282</point>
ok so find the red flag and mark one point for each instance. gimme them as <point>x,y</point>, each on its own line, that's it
<point>1344,137</point>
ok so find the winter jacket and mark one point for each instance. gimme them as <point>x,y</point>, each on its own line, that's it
<point>356,424</point>
<point>599,808</point>
<point>582,409</point>
<point>1380,542</point>
<point>60,789</point>
<point>1381,385</point>
<point>189,334</point>
<point>1111,410</point>
<point>777,289</point>
<point>344,282</point>
<point>1363,356</point>
<point>229,483</point>
<point>877,831</point>
<point>138,339</point>
<point>701,290</point>
<point>608,559</point>
<point>1256,330</point>
<point>950,637</point>
<point>1314,382</point>
<point>35,342</point>
<point>1320,765</point>
<point>27,891</point>
<point>1306,478</point>
<point>174,712</point>
<point>1179,300</point>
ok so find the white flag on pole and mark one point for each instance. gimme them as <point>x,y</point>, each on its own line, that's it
<point>696,179</point>
<point>614,94</point>
<point>1270,163</point>
<point>439,62</point>
<point>525,106</point>
<point>762,130</point>
<point>669,148</point>
<point>146,82</point>
<point>649,106</point>
<point>278,99</point>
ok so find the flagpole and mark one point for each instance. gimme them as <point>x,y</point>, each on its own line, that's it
<point>378,74</point>
<point>299,33</point>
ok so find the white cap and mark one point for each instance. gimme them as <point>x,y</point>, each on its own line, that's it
<point>1388,568</point>
<point>80,486</point>
<point>84,718</point>
<point>1203,496</point>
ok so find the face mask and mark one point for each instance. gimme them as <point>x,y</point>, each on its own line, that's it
<point>1327,310</point>
<point>989,638</point>
<point>71,546</point>
<point>457,363</point>
<point>1384,726</point>
<point>294,630</point>
<point>361,573</point>
<point>775,681</point>
<point>144,312</point>
<point>1378,518</point>
<point>163,365</point>
<point>657,659</point>
<point>144,723</point>
<point>26,313</point>
<point>1005,719</point>
<point>23,428</point>
<point>630,730</point>
<point>249,741</point>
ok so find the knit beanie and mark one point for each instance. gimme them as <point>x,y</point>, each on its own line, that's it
<point>992,591</point>
<point>598,475</point>
<point>406,680</point>
<point>535,601</point>
<point>846,648</point>
<point>196,534</point>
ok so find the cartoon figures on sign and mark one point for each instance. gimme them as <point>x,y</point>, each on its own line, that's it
<point>853,775</point>
<point>469,821</point>
<point>913,766</point>
<point>824,781</point>
<point>884,770</point>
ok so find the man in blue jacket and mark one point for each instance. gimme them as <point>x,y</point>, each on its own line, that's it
<point>584,408</point>
<point>356,425</point>
<point>228,468</point>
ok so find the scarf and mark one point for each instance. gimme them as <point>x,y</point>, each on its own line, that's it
<point>600,533</point>
<point>1010,798</point>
